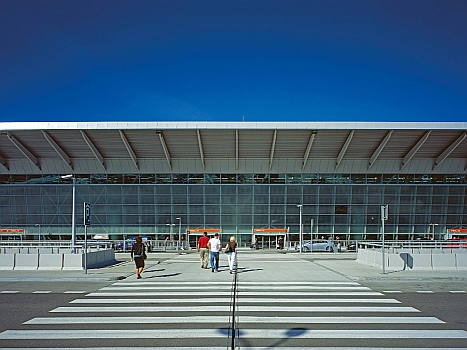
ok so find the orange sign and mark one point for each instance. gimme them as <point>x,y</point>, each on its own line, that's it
<point>271,230</point>
<point>12,230</point>
<point>201,230</point>
<point>458,230</point>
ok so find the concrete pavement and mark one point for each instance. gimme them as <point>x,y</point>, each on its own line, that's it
<point>341,265</point>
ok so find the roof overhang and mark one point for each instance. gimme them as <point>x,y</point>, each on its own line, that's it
<point>232,147</point>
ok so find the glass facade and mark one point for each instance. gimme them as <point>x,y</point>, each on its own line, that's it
<point>343,205</point>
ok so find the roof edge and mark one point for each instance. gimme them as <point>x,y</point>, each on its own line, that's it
<point>9,126</point>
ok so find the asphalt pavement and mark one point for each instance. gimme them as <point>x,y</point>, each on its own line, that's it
<point>340,264</point>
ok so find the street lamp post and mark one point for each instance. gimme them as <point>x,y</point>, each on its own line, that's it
<point>300,234</point>
<point>179,231</point>
<point>73,213</point>
<point>433,229</point>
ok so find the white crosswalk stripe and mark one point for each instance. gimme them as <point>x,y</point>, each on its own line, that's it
<point>245,319</point>
<point>220,333</point>
<point>175,315</point>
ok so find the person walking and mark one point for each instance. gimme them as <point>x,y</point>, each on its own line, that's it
<point>138,251</point>
<point>232,254</point>
<point>215,246</point>
<point>203,250</point>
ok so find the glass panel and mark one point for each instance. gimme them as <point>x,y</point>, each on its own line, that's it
<point>212,190</point>
<point>193,199</point>
<point>212,199</point>
<point>277,209</point>
<point>324,220</point>
<point>277,199</point>
<point>213,220</point>
<point>212,209</point>
<point>245,209</point>
<point>244,219</point>
<point>261,199</point>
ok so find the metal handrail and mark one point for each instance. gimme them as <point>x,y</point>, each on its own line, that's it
<point>422,244</point>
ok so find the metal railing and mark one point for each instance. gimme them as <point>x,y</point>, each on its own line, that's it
<point>420,244</point>
<point>34,246</point>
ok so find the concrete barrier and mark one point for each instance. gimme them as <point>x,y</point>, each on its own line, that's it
<point>47,250</point>
<point>50,261</point>
<point>416,259</point>
<point>72,261</point>
<point>395,262</point>
<point>92,258</point>
<point>24,250</point>
<point>7,261</point>
<point>8,250</point>
<point>422,261</point>
<point>444,262</point>
<point>461,261</point>
<point>13,260</point>
<point>26,261</point>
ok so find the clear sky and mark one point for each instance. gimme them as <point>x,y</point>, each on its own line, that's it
<point>233,60</point>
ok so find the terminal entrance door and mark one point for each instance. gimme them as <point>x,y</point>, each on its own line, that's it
<point>267,241</point>
<point>268,238</point>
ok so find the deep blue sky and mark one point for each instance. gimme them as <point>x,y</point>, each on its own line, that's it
<point>220,60</point>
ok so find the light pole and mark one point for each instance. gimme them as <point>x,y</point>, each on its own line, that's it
<point>384,217</point>
<point>311,235</point>
<point>433,229</point>
<point>179,231</point>
<point>300,235</point>
<point>73,213</point>
<point>39,232</point>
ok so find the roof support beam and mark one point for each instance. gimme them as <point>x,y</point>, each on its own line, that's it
<point>93,149</point>
<point>23,150</point>
<point>308,149</point>
<point>166,150</point>
<point>58,149</point>
<point>380,148</point>
<point>4,163</point>
<point>129,149</point>
<point>415,149</point>
<point>236,150</point>
<point>273,147</point>
<point>449,150</point>
<point>200,145</point>
<point>344,149</point>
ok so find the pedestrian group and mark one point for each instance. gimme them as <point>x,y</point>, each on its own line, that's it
<point>208,249</point>
<point>213,247</point>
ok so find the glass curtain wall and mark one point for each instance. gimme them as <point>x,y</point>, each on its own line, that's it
<point>350,211</point>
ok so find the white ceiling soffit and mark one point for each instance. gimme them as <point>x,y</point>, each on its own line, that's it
<point>211,146</point>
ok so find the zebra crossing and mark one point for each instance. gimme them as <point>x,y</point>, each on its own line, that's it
<point>145,314</point>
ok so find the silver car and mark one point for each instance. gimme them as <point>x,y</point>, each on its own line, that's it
<point>318,245</point>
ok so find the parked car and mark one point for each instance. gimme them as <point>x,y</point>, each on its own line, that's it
<point>319,245</point>
<point>352,247</point>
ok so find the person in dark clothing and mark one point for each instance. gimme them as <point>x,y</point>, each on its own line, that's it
<point>137,252</point>
<point>232,254</point>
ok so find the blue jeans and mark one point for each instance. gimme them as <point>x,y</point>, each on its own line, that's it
<point>214,260</point>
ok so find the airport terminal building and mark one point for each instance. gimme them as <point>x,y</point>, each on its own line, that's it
<point>244,179</point>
